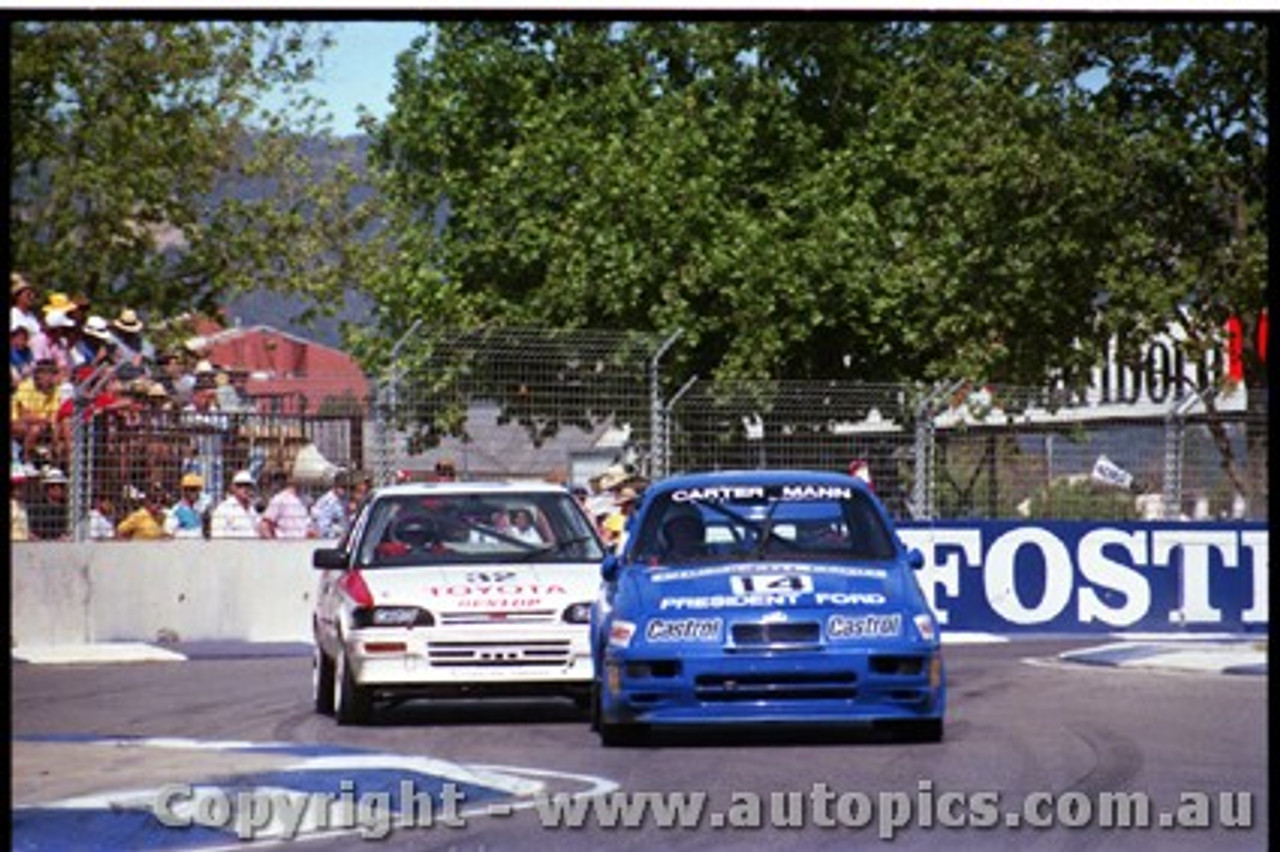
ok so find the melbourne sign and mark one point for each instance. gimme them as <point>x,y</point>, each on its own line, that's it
<point>1006,576</point>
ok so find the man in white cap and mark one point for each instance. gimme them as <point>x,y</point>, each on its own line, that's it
<point>50,519</point>
<point>236,517</point>
<point>57,340</point>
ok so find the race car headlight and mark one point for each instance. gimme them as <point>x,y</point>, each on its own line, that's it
<point>926,628</point>
<point>579,613</point>
<point>620,633</point>
<point>392,616</point>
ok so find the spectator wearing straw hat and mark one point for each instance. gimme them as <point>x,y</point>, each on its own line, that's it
<point>614,524</point>
<point>134,348</point>
<point>186,517</point>
<point>22,311</point>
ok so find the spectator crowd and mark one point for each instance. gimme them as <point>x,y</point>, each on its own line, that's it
<point>66,360</point>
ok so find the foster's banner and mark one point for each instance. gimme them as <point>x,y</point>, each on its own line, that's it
<point>1074,576</point>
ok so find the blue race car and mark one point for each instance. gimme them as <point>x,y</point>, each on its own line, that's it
<point>761,597</point>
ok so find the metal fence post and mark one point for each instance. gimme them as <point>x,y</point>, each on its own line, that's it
<point>658,456</point>
<point>388,403</point>
<point>923,489</point>
<point>81,472</point>
<point>922,451</point>
<point>1175,432</point>
<point>666,422</point>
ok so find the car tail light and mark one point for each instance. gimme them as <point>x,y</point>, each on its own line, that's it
<point>354,587</point>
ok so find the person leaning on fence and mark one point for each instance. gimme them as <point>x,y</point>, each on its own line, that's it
<point>185,518</point>
<point>148,520</point>
<point>235,517</point>
<point>102,518</point>
<point>49,518</point>
<point>329,514</point>
<point>286,516</point>
<point>19,522</point>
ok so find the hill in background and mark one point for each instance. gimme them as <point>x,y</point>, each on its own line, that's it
<point>280,310</point>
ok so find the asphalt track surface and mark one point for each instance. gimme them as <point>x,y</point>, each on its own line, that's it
<point>1020,722</point>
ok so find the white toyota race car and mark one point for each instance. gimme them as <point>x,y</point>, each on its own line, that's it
<point>454,590</point>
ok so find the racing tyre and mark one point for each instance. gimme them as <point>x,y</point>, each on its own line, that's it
<point>622,735</point>
<point>595,707</point>
<point>322,681</point>
<point>920,730</point>
<point>352,703</point>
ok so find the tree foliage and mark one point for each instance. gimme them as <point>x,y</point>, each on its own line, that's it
<point>861,199</point>
<point>144,171</point>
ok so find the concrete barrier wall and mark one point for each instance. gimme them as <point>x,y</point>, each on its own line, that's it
<point>63,593</point>
<point>993,576</point>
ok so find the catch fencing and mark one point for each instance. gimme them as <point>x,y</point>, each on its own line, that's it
<point>563,406</point>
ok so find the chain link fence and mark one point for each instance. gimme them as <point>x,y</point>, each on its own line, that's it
<point>949,451</point>
<point>564,406</point>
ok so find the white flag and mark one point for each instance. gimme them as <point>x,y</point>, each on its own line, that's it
<point>1109,473</point>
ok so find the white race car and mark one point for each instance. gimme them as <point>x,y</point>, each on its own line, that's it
<point>456,589</point>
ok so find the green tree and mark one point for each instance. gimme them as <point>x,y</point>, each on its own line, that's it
<point>867,200</point>
<point>144,172</point>
<point>1185,112</point>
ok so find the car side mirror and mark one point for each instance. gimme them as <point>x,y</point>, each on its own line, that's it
<point>915,559</point>
<point>610,567</point>
<point>328,558</point>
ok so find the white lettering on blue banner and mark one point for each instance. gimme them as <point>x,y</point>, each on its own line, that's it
<point>1093,576</point>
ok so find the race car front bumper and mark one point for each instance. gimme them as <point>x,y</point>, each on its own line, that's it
<point>885,683</point>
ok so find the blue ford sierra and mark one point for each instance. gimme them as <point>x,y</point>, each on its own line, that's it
<point>762,597</point>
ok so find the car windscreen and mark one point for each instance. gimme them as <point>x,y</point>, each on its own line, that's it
<point>797,523</point>
<point>533,527</point>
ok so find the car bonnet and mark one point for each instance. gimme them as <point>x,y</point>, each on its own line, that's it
<point>773,584</point>
<point>488,586</point>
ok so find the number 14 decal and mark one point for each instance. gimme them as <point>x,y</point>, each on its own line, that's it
<point>750,584</point>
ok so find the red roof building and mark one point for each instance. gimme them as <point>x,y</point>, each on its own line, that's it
<point>287,374</point>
